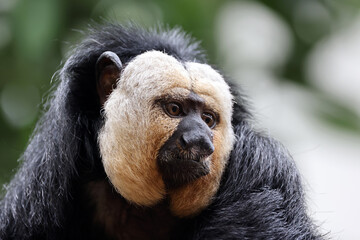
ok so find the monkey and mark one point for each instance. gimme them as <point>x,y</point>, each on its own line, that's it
<point>143,139</point>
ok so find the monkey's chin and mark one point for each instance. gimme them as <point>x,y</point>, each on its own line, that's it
<point>178,172</point>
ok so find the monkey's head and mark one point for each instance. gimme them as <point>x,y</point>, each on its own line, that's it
<point>167,130</point>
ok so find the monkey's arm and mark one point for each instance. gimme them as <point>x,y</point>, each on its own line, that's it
<point>260,195</point>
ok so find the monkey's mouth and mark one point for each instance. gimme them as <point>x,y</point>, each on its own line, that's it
<point>180,168</point>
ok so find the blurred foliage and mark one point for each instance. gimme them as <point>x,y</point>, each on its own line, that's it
<point>35,36</point>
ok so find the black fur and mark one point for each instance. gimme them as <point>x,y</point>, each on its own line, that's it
<point>260,196</point>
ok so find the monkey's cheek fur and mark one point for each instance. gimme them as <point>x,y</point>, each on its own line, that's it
<point>127,154</point>
<point>139,183</point>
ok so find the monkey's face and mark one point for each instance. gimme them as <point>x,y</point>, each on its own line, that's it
<point>167,132</point>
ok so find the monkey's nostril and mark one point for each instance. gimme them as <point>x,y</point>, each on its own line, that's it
<point>211,149</point>
<point>183,142</point>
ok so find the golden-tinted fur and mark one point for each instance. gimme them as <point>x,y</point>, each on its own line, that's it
<point>136,127</point>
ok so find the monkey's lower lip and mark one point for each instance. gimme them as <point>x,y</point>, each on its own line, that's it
<point>197,159</point>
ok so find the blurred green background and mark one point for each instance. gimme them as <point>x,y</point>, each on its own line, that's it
<point>275,49</point>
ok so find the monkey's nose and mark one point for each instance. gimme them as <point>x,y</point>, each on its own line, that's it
<point>198,142</point>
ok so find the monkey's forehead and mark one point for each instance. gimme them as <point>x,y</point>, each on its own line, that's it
<point>155,73</point>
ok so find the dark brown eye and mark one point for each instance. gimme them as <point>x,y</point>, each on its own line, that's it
<point>209,119</point>
<point>173,109</point>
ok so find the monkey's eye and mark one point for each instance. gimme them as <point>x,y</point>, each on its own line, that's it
<point>173,109</point>
<point>209,118</point>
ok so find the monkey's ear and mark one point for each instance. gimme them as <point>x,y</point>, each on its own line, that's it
<point>108,68</point>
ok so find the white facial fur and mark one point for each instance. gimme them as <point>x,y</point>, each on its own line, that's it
<point>135,129</point>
